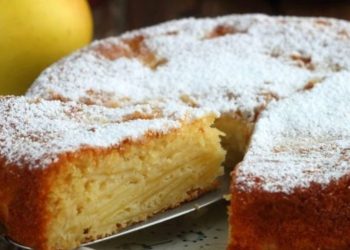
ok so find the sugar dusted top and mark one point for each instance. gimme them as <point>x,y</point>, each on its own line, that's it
<point>35,132</point>
<point>235,64</point>
<point>229,64</point>
<point>300,140</point>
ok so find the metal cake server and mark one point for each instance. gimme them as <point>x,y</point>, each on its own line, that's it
<point>185,208</point>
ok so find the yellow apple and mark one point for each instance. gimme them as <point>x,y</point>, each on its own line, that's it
<point>36,33</point>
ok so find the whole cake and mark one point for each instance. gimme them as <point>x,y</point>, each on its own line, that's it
<point>280,79</point>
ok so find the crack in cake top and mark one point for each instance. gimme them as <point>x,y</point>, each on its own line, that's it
<point>234,64</point>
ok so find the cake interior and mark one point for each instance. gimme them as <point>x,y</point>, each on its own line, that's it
<point>236,137</point>
<point>129,184</point>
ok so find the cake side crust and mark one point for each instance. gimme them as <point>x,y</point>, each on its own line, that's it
<point>85,183</point>
<point>23,195</point>
<point>313,218</point>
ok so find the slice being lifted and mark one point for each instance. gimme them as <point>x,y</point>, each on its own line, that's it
<point>71,173</point>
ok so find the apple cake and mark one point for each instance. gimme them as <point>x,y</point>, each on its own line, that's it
<point>71,173</point>
<point>237,66</point>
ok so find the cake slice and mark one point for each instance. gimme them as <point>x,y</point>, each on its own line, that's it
<point>71,173</point>
<point>292,190</point>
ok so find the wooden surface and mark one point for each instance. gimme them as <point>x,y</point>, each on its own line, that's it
<point>115,16</point>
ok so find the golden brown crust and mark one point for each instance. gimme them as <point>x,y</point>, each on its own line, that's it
<point>223,30</point>
<point>131,48</point>
<point>308,218</point>
<point>23,212</point>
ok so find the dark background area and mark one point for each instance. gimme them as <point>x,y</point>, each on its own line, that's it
<point>115,16</point>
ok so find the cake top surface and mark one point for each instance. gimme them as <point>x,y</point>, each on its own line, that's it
<point>301,140</point>
<point>35,132</point>
<point>233,64</point>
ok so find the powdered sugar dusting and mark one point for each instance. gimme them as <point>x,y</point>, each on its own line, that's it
<point>300,140</point>
<point>233,64</point>
<point>36,132</point>
<point>259,59</point>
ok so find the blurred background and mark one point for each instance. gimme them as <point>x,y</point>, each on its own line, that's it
<point>115,16</point>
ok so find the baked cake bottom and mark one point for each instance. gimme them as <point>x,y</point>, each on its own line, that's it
<point>96,192</point>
